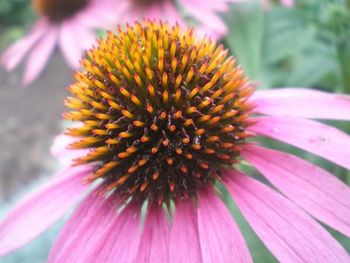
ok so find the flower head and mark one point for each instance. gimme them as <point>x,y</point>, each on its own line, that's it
<point>68,23</point>
<point>165,113</point>
<point>164,117</point>
<point>205,13</point>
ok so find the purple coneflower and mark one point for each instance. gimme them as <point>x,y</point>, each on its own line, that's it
<point>68,23</point>
<point>165,118</point>
<point>205,12</point>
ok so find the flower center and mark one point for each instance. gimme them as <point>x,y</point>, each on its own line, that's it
<point>162,112</point>
<point>58,10</point>
<point>147,2</point>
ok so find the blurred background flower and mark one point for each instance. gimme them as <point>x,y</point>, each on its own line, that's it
<point>303,45</point>
<point>68,23</point>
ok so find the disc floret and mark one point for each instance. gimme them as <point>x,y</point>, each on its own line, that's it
<point>162,111</point>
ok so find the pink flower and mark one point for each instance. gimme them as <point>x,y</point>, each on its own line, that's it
<point>165,117</point>
<point>205,12</point>
<point>66,23</point>
<point>288,3</point>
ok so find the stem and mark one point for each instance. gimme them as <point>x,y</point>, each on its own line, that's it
<point>343,51</point>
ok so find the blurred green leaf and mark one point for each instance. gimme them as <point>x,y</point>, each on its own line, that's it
<point>285,34</point>
<point>246,23</point>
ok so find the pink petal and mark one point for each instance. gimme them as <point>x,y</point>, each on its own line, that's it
<point>118,242</point>
<point>81,232</point>
<point>207,17</point>
<point>59,149</point>
<point>39,56</point>
<point>184,239</point>
<point>172,14</point>
<point>154,246</point>
<point>220,237</point>
<point>305,103</point>
<point>16,52</point>
<point>289,233</point>
<point>288,3</point>
<point>42,209</point>
<point>69,43</point>
<point>101,13</point>
<point>311,136</point>
<point>312,188</point>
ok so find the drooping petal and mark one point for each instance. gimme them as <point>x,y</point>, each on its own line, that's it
<point>220,237</point>
<point>118,242</point>
<point>42,209</point>
<point>16,52</point>
<point>317,138</point>
<point>289,233</point>
<point>312,188</point>
<point>184,237</point>
<point>305,103</point>
<point>69,43</point>
<point>40,55</point>
<point>154,246</point>
<point>81,232</point>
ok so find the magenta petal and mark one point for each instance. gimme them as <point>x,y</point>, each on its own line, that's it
<point>289,233</point>
<point>154,246</point>
<point>40,54</point>
<point>305,103</point>
<point>118,242</point>
<point>184,239</point>
<point>81,232</point>
<point>311,136</point>
<point>312,188</point>
<point>43,208</point>
<point>220,237</point>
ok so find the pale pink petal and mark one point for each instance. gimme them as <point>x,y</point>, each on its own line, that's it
<point>101,13</point>
<point>16,52</point>
<point>289,233</point>
<point>81,232</point>
<point>288,3</point>
<point>184,239</point>
<point>118,242</point>
<point>39,56</point>
<point>43,208</point>
<point>60,150</point>
<point>220,237</point>
<point>154,246</point>
<point>305,103</point>
<point>207,17</point>
<point>69,43</point>
<point>311,136</point>
<point>172,14</point>
<point>312,188</point>
<point>86,37</point>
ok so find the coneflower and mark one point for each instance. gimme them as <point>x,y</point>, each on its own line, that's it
<point>164,117</point>
<point>68,23</point>
<point>205,13</point>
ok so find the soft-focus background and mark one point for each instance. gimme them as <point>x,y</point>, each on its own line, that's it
<point>307,45</point>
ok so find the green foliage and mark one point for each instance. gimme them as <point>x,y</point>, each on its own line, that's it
<point>15,12</point>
